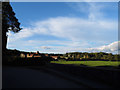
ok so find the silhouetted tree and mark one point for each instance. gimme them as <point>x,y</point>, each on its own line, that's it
<point>9,22</point>
<point>116,57</point>
<point>110,57</point>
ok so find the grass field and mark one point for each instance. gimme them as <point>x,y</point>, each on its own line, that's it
<point>88,63</point>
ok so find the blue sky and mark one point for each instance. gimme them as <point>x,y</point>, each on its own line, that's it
<point>59,27</point>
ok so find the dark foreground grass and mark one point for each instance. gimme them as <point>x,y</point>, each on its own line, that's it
<point>89,63</point>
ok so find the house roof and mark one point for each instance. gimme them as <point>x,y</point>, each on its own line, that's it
<point>54,57</point>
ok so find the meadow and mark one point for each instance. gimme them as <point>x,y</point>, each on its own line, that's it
<point>89,63</point>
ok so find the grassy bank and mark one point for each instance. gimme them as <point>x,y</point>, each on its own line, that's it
<point>88,63</point>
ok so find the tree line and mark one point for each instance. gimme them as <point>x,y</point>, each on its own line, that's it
<point>91,56</point>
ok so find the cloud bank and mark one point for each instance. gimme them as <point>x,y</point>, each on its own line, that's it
<point>111,48</point>
<point>74,29</point>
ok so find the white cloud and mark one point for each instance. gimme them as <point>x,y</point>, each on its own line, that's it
<point>65,46</point>
<point>25,32</point>
<point>111,48</point>
<point>75,28</point>
<point>70,28</point>
<point>93,10</point>
<point>115,46</point>
<point>45,47</point>
<point>79,32</point>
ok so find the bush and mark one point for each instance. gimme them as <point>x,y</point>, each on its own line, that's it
<point>31,61</point>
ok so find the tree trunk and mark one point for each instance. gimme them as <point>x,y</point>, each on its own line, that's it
<point>4,41</point>
<point>4,44</point>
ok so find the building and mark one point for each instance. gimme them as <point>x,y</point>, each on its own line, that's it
<point>37,54</point>
<point>54,57</point>
<point>30,55</point>
<point>22,55</point>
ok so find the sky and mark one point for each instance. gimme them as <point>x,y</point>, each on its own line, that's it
<point>60,27</point>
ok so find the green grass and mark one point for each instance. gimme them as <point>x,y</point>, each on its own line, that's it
<point>88,63</point>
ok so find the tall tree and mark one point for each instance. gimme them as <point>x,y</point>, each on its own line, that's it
<point>9,22</point>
